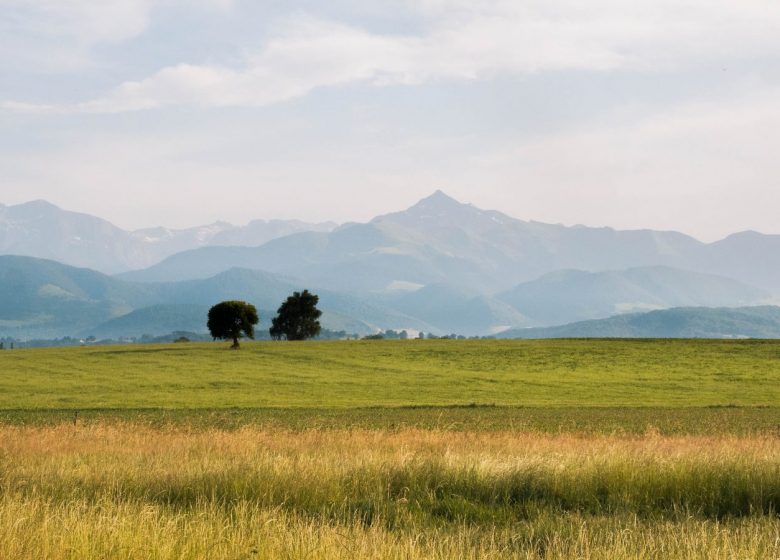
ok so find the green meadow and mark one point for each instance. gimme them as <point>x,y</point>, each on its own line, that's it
<point>574,373</point>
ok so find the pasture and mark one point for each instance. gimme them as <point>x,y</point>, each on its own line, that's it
<point>392,449</point>
<point>634,373</point>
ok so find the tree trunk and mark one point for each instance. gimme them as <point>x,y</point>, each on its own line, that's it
<point>236,345</point>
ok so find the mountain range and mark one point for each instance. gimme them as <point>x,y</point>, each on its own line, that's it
<point>440,266</point>
<point>567,296</point>
<point>40,229</point>
<point>440,240</point>
<point>46,299</point>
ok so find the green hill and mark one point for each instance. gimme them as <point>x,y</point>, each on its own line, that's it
<point>46,299</point>
<point>154,320</point>
<point>684,322</point>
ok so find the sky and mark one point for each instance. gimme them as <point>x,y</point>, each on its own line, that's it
<point>659,114</point>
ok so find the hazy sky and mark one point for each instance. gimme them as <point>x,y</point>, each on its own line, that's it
<point>648,113</point>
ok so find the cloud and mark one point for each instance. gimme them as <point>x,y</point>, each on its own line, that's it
<point>710,167</point>
<point>715,144</point>
<point>58,35</point>
<point>707,168</point>
<point>84,21</point>
<point>460,40</point>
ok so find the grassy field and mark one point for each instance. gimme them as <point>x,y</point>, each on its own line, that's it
<point>413,450</point>
<point>395,373</point>
<point>713,421</point>
<point>128,491</point>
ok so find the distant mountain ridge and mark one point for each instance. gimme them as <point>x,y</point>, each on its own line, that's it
<point>155,320</point>
<point>682,322</point>
<point>441,241</point>
<point>436,241</point>
<point>45,299</point>
<point>439,266</point>
<point>566,296</point>
<point>42,230</point>
<point>456,310</point>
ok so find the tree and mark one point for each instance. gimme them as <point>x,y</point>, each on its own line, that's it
<point>297,318</point>
<point>230,320</point>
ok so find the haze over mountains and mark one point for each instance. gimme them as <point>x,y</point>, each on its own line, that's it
<point>567,296</point>
<point>440,266</point>
<point>40,229</point>
<point>440,240</point>
<point>45,299</point>
<point>680,322</point>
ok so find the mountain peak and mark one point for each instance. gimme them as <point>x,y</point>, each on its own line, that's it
<point>439,204</point>
<point>35,209</point>
<point>39,204</point>
<point>439,199</point>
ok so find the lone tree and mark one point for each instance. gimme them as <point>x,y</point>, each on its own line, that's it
<point>230,320</point>
<point>297,318</point>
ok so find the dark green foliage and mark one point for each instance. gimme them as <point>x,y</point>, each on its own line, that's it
<point>394,335</point>
<point>297,318</point>
<point>374,337</point>
<point>230,320</point>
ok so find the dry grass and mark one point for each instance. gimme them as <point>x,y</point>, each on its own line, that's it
<point>35,529</point>
<point>133,491</point>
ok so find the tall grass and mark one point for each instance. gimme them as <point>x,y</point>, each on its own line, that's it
<point>587,420</point>
<point>130,491</point>
<point>37,529</point>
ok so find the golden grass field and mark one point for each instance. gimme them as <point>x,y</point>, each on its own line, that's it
<point>127,490</point>
<point>581,449</point>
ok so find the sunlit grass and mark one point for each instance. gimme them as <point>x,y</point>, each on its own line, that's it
<point>35,529</point>
<point>696,420</point>
<point>555,450</point>
<point>128,490</point>
<point>395,373</point>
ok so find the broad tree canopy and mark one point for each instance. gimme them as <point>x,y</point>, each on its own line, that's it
<point>297,318</point>
<point>230,320</point>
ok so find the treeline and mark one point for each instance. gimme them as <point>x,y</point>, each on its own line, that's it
<point>10,343</point>
<point>404,335</point>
